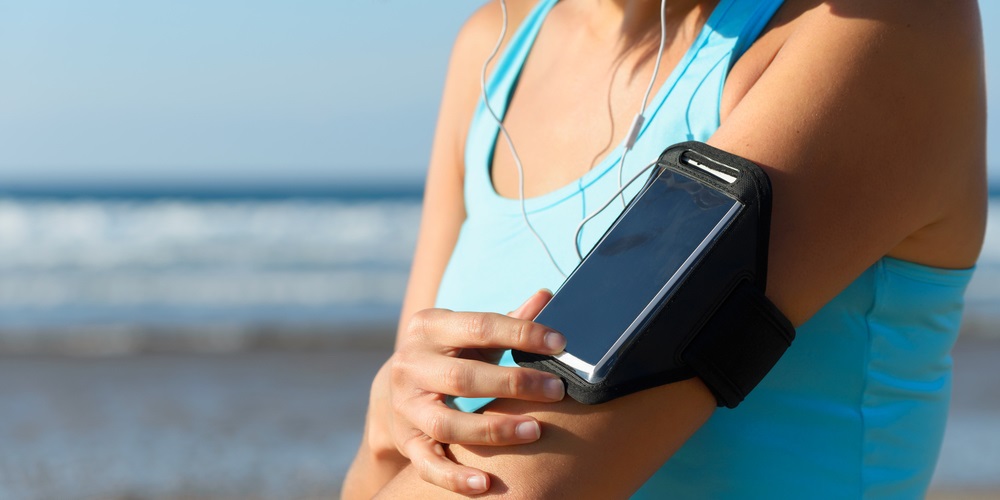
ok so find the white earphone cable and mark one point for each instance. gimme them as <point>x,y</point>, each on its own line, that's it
<point>640,118</point>
<point>628,143</point>
<point>510,143</point>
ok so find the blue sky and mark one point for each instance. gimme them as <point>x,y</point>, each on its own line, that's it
<point>107,91</point>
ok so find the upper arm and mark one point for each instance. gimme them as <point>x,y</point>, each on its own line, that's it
<point>870,123</point>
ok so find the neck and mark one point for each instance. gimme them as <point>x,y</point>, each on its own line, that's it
<point>628,18</point>
<point>633,26</point>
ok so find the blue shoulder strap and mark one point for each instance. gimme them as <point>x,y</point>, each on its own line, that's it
<point>508,65</point>
<point>694,92</point>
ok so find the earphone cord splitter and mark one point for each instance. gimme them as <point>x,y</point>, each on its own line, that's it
<point>640,117</point>
<point>629,141</point>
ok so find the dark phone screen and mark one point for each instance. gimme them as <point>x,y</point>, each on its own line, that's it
<point>642,252</point>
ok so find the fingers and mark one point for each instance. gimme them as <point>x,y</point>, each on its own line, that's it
<point>427,365</point>
<point>484,330</point>
<point>445,425</point>
<point>430,461</point>
<point>474,379</point>
<point>531,307</point>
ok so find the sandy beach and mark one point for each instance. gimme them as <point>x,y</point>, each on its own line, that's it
<point>283,423</point>
<point>271,424</point>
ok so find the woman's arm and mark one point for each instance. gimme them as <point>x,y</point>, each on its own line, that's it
<point>443,211</point>
<point>378,459</point>
<point>870,122</point>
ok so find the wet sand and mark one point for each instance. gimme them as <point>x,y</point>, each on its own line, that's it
<point>283,424</point>
<point>264,425</point>
<point>969,465</point>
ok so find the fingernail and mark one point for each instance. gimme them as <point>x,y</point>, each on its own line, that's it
<point>554,389</point>
<point>555,341</point>
<point>528,430</point>
<point>476,483</point>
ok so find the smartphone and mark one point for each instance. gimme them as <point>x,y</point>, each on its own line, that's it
<point>636,267</point>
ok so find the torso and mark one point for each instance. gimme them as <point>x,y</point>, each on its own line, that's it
<point>869,368</point>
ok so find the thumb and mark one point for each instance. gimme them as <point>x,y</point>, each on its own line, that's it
<point>531,307</point>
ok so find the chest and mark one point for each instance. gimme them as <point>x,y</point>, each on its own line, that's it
<point>577,95</point>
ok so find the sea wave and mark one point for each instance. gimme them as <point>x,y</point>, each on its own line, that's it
<point>139,261</point>
<point>119,257</point>
<point>100,235</point>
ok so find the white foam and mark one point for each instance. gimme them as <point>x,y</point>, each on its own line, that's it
<point>61,254</point>
<point>80,253</point>
<point>89,234</point>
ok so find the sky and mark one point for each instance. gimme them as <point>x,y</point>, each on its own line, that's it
<point>119,91</point>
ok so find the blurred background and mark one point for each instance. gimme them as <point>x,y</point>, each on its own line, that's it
<point>207,211</point>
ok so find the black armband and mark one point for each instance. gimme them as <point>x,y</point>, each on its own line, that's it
<point>675,287</point>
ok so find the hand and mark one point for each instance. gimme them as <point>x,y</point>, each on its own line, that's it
<point>451,353</point>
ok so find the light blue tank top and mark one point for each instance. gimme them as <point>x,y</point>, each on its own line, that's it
<point>855,408</point>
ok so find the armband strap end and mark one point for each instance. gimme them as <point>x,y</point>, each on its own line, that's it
<point>739,345</point>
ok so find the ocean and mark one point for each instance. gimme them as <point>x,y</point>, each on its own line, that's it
<point>140,259</point>
<point>136,260</point>
<point>201,271</point>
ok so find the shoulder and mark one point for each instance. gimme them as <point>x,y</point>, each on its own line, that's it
<point>903,79</point>
<point>932,19</point>
<point>939,41</point>
<point>939,38</point>
<point>444,208</point>
<point>911,77</point>
<point>479,34</point>
<point>913,33</point>
<point>471,49</point>
<point>871,118</point>
<point>894,52</point>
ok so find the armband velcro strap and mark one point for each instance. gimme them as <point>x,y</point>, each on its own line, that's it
<point>739,344</point>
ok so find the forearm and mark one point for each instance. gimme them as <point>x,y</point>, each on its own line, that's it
<point>377,460</point>
<point>370,472</point>
<point>619,444</point>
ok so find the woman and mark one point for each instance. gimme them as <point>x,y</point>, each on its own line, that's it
<point>869,118</point>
